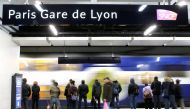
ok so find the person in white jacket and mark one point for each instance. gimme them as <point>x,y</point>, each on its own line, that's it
<point>147,93</point>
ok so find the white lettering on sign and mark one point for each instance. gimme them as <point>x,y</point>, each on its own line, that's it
<point>45,14</point>
<point>77,14</point>
<point>22,15</point>
<point>103,15</point>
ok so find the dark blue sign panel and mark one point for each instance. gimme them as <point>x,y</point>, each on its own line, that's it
<point>94,14</point>
<point>18,91</point>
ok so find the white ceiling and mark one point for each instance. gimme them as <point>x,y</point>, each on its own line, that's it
<point>102,41</point>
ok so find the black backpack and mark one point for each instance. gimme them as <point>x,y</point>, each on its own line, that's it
<point>136,90</point>
<point>97,90</point>
<point>116,89</point>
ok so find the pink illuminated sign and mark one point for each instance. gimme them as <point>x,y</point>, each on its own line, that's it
<point>163,14</point>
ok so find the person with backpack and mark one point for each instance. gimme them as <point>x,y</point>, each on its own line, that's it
<point>178,94</point>
<point>54,96</point>
<point>116,91</point>
<point>83,91</point>
<point>147,94</point>
<point>133,92</point>
<point>66,93</point>
<point>96,93</point>
<point>156,90</point>
<point>35,95</point>
<point>73,92</point>
<point>107,91</point>
<point>168,93</point>
<point>26,92</point>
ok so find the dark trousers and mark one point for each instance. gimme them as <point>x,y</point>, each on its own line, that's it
<point>72,104</point>
<point>80,101</point>
<point>115,98</point>
<point>97,99</point>
<point>156,101</point>
<point>35,103</point>
<point>148,103</point>
<point>25,103</point>
<point>68,101</point>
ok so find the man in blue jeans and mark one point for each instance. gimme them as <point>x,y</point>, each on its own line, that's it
<point>169,93</point>
<point>133,92</point>
<point>54,93</point>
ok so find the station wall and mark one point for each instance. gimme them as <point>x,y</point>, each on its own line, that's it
<point>9,55</point>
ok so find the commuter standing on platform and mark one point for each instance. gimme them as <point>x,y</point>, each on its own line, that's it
<point>178,94</point>
<point>169,93</point>
<point>54,93</point>
<point>96,93</point>
<point>26,91</point>
<point>66,93</point>
<point>147,93</point>
<point>116,91</point>
<point>107,91</point>
<point>35,95</point>
<point>74,96</point>
<point>156,90</point>
<point>133,92</point>
<point>83,91</point>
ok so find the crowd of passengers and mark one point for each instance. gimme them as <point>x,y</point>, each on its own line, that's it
<point>168,90</point>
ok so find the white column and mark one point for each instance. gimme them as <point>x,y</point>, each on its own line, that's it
<point>9,64</point>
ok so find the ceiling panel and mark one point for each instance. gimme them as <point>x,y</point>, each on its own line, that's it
<point>31,41</point>
<point>69,41</point>
<point>180,41</point>
<point>110,41</point>
<point>150,41</point>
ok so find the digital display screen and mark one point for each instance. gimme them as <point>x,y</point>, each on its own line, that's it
<point>18,91</point>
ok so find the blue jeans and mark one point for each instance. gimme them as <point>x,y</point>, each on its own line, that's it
<point>54,101</point>
<point>132,98</point>
<point>115,97</point>
<point>173,102</point>
<point>170,101</point>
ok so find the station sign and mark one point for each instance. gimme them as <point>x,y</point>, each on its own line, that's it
<point>94,14</point>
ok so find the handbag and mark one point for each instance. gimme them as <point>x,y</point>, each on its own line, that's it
<point>105,105</point>
<point>74,97</point>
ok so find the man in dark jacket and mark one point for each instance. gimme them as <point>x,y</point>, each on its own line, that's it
<point>133,92</point>
<point>83,91</point>
<point>116,88</point>
<point>66,93</point>
<point>26,91</point>
<point>107,91</point>
<point>35,95</point>
<point>178,94</point>
<point>96,93</point>
<point>156,90</point>
<point>169,93</point>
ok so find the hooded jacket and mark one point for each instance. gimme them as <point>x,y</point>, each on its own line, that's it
<point>107,91</point>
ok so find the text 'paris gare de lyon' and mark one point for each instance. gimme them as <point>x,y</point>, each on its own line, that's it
<point>77,14</point>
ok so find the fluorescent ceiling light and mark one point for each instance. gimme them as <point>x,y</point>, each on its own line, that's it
<point>68,38</point>
<point>182,3</point>
<point>111,38</point>
<point>38,6</point>
<point>142,7</point>
<point>182,38</point>
<point>158,59</point>
<point>53,30</point>
<point>153,38</point>
<point>150,29</point>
